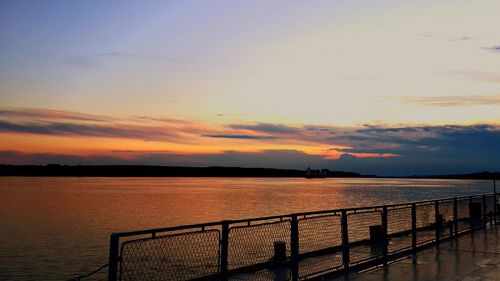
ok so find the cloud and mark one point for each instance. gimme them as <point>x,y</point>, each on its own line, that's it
<point>417,149</point>
<point>435,143</point>
<point>495,48</point>
<point>118,55</point>
<point>463,38</point>
<point>447,101</point>
<point>66,123</point>
<point>426,35</point>
<point>229,115</point>
<point>441,161</point>
<point>266,128</point>
<point>50,114</point>
<point>268,158</point>
<point>249,137</point>
<point>162,120</point>
<point>82,61</point>
<point>110,130</point>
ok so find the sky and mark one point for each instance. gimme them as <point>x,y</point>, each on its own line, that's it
<point>376,87</point>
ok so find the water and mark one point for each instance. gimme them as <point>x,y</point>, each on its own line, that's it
<point>57,228</point>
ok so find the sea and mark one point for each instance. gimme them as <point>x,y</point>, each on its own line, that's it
<point>56,228</point>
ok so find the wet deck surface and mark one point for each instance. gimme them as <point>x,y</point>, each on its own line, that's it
<point>471,257</point>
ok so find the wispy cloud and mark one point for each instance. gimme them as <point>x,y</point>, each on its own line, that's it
<point>118,55</point>
<point>480,76</point>
<point>472,100</point>
<point>229,115</point>
<point>265,128</point>
<point>67,123</point>
<point>495,48</point>
<point>463,38</point>
<point>51,114</point>
<point>94,130</point>
<point>249,137</point>
<point>426,35</point>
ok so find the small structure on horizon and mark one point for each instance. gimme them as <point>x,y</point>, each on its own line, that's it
<point>311,173</point>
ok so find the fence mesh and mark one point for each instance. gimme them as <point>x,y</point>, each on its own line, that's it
<point>399,229</point>
<point>495,202</point>
<point>489,204</point>
<point>463,223</point>
<point>490,208</point>
<point>172,257</point>
<point>196,255</point>
<point>361,247</point>
<point>254,244</point>
<point>320,234</point>
<point>426,219</point>
<point>446,212</point>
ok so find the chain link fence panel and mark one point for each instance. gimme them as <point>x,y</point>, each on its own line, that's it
<point>362,248</point>
<point>399,229</point>
<point>182,256</point>
<point>254,244</point>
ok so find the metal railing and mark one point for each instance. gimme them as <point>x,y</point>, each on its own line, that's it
<point>296,246</point>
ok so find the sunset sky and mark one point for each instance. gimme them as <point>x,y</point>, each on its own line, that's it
<point>377,87</point>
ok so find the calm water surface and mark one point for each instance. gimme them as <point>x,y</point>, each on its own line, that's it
<point>57,228</point>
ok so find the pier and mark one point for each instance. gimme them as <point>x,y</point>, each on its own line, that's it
<point>302,246</point>
<point>470,257</point>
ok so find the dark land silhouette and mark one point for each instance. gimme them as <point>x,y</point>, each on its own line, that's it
<point>153,171</point>
<point>57,170</point>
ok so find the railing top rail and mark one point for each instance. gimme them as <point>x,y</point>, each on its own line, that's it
<point>166,229</point>
<point>248,220</point>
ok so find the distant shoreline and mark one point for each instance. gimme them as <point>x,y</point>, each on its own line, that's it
<point>155,171</point>
<point>55,170</point>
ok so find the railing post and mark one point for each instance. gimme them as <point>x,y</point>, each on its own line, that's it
<point>294,247</point>
<point>497,211</point>
<point>495,200</point>
<point>483,209</point>
<point>471,222</point>
<point>224,250</point>
<point>495,206</point>
<point>385,239</point>
<point>455,216</point>
<point>113,257</point>
<point>345,242</point>
<point>438,220</point>
<point>414,231</point>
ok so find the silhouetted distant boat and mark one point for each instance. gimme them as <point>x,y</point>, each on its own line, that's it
<point>313,174</point>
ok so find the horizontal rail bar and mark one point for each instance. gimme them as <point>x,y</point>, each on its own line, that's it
<point>165,229</point>
<point>255,219</point>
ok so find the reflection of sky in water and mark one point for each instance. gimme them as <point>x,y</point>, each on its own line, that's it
<point>55,227</point>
